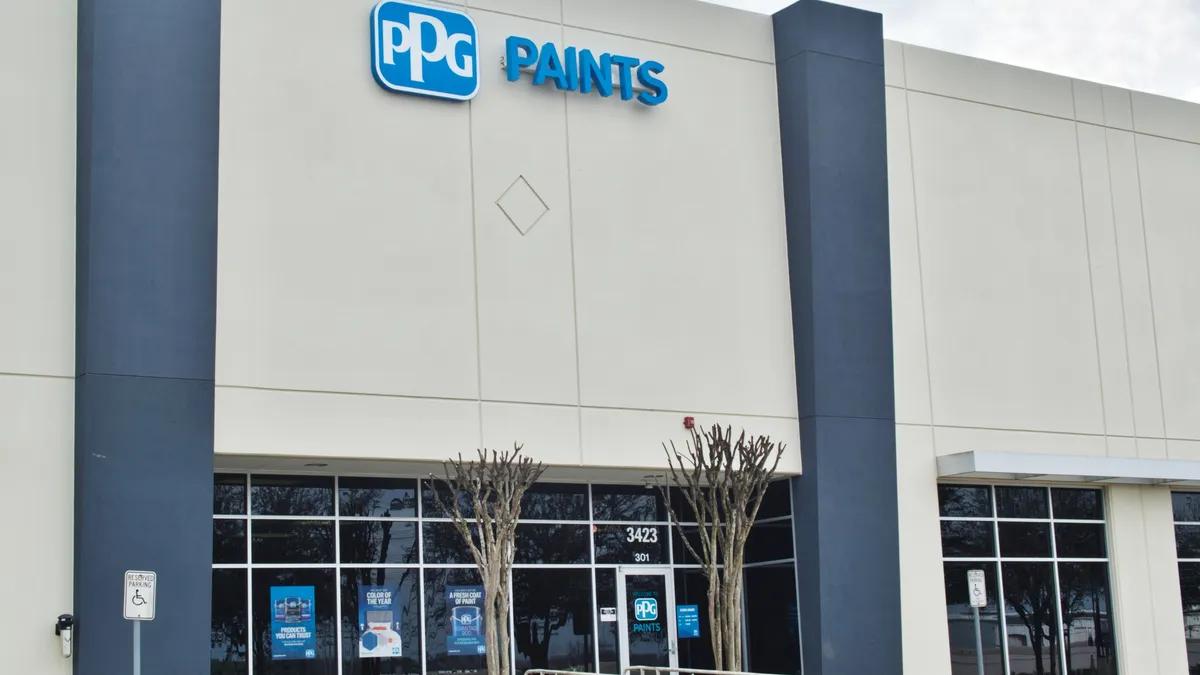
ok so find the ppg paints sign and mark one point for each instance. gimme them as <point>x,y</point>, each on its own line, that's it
<point>434,51</point>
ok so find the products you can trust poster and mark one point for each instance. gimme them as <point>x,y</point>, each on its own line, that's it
<point>293,623</point>
<point>378,622</point>
<point>464,604</point>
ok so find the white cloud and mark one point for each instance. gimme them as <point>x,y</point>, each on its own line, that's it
<point>1148,45</point>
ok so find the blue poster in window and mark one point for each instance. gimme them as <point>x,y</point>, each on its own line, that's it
<point>687,621</point>
<point>293,623</point>
<point>378,622</point>
<point>464,605</point>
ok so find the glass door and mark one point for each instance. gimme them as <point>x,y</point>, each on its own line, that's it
<point>646,615</point>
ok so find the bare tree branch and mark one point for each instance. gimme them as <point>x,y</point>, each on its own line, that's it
<point>723,480</point>
<point>495,484</point>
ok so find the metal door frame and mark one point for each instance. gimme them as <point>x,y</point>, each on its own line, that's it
<point>668,574</point>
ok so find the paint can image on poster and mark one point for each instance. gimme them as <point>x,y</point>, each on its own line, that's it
<point>293,623</point>
<point>464,604</point>
<point>378,622</point>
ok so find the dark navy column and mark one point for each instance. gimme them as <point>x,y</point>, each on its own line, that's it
<point>829,62</point>
<point>145,322</point>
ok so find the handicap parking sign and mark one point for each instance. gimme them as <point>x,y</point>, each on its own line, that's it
<point>645,609</point>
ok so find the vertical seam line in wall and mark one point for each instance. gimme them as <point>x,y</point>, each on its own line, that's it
<point>1087,250</point>
<point>912,175</point>
<point>475,268</point>
<point>571,240</point>
<point>1137,166</point>
<point>1149,580</point>
<point>1112,207</point>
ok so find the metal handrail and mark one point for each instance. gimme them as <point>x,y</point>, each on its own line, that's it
<point>644,670</point>
<point>660,670</point>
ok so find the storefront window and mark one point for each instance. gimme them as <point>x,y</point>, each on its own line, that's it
<point>366,576</point>
<point>1186,506</point>
<point>1044,552</point>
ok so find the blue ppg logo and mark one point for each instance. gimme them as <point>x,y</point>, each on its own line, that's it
<point>424,50</point>
<point>645,609</point>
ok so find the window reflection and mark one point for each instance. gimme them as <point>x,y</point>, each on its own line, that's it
<point>1021,502</point>
<point>770,541</point>
<point>291,495</point>
<point>691,588</point>
<point>1187,541</point>
<point>693,555</point>
<point>550,501</point>
<point>961,618</point>
<point>552,619</point>
<point>1033,634</point>
<point>437,624</point>
<point>443,545</point>
<point>1025,540</point>
<point>1056,611</point>
<point>229,541</point>
<point>228,654</point>
<point>1079,540</point>
<point>628,503</point>
<point>380,542</point>
<point>406,584</point>
<point>377,497</point>
<point>607,635</point>
<point>968,539</point>
<point>777,501</point>
<point>1090,648</point>
<point>1189,586</point>
<point>229,495</point>
<point>964,501</point>
<point>435,494</point>
<point>552,545</point>
<point>1075,504</point>
<point>772,620</point>
<point>1186,506</point>
<point>292,541</point>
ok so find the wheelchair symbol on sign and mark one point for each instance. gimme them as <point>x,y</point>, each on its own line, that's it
<point>137,598</point>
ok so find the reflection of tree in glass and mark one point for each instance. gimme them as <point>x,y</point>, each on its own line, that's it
<point>547,602</point>
<point>627,504</point>
<point>1084,590</point>
<point>444,545</point>
<point>551,544</point>
<point>370,541</point>
<point>1189,585</point>
<point>285,496</point>
<point>1021,502</point>
<point>965,501</point>
<point>228,622</point>
<point>229,495</point>
<point>1029,592</point>
<point>304,541</point>
<point>394,503</point>
<point>555,502</point>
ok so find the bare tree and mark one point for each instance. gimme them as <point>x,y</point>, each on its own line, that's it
<point>491,487</point>
<point>723,480</point>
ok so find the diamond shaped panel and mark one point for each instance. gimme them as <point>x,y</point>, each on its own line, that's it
<point>522,205</point>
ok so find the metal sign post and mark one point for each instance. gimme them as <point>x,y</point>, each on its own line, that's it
<point>977,588</point>
<point>140,590</point>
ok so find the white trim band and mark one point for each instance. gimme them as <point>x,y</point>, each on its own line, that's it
<point>1068,468</point>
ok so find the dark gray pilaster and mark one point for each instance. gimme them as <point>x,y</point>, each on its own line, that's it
<point>829,61</point>
<point>145,321</point>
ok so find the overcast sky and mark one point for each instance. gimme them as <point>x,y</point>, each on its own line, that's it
<point>1148,45</point>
